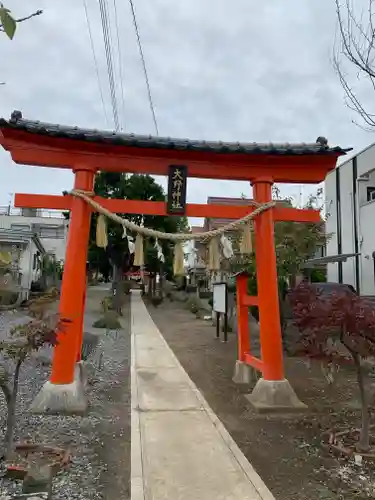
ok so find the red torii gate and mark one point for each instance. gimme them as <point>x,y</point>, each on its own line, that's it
<point>85,152</point>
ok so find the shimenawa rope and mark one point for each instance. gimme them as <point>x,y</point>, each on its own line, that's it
<point>153,233</point>
<point>177,238</point>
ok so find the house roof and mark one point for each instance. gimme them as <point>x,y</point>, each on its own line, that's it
<point>214,223</point>
<point>320,147</point>
<point>21,237</point>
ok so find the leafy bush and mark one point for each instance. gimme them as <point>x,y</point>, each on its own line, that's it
<point>156,301</point>
<point>107,304</point>
<point>193,304</point>
<point>108,321</point>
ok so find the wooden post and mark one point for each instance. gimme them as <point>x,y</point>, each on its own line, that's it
<point>80,339</point>
<point>73,283</point>
<point>268,294</point>
<point>242,318</point>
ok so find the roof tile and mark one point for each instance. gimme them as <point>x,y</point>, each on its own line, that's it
<point>143,141</point>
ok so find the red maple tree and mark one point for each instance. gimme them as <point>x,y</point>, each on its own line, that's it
<point>325,320</point>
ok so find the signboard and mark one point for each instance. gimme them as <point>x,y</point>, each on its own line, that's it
<point>177,183</point>
<point>136,274</point>
<point>219,299</point>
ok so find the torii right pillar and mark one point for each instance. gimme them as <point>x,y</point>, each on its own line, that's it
<point>272,392</point>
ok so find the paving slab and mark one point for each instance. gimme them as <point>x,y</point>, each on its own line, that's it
<point>180,449</point>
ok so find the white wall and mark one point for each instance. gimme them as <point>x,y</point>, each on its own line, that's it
<point>331,224</point>
<point>28,274</point>
<point>53,238</point>
<point>366,160</point>
<point>190,255</point>
<point>365,220</point>
<point>367,247</point>
<point>347,222</point>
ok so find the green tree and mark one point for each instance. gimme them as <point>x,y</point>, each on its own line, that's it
<point>8,23</point>
<point>117,256</point>
<point>295,243</point>
<point>134,187</point>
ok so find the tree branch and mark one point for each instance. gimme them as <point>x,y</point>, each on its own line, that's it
<point>22,19</point>
<point>357,46</point>
<point>4,385</point>
<point>6,391</point>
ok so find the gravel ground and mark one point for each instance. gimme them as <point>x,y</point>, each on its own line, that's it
<point>284,449</point>
<point>100,441</point>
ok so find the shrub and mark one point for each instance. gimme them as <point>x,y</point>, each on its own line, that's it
<point>156,301</point>
<point>109,321</point>
<point>193,304</point>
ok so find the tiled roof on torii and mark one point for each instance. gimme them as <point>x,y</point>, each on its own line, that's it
<point>17,122</point>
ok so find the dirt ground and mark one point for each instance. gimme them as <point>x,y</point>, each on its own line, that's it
<point>285,450</point>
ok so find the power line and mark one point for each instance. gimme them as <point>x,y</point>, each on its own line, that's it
<point>150,100</point>
<point>120,62</point>
<point>111,73</point>
<point>108,52</point>
<point>95,60</point>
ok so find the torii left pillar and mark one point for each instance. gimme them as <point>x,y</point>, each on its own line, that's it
<point>64,392</point>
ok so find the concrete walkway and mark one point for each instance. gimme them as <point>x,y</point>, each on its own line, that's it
<point>179,448</point>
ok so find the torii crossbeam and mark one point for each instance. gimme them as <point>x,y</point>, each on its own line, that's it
<point>86,152</point>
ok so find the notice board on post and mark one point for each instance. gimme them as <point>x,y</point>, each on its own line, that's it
<point>177,184</point>
<point>220,298</point>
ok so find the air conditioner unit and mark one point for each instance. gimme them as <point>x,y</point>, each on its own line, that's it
<point>372,195</point>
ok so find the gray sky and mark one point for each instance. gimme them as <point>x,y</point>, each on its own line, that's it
<point>244,70</point>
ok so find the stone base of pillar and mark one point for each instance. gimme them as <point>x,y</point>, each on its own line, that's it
<point>81,373</point>
<point>244,373</point>
<point>67,399</point>
<point>275,396</point>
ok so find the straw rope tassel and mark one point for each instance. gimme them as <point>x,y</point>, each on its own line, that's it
<point>178,261</point>
<point>101,232</point>
<point>246,244</point>
<point>139,259</point>
<point>214,255</point>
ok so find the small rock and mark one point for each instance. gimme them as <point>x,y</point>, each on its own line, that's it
<point>38,480</point>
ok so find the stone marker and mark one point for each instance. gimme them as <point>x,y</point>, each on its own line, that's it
<point>38,481</point>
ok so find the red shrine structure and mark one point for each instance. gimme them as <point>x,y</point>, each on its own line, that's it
<point>86,151</point>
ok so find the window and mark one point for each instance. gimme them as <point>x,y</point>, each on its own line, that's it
<point>370,193</point>
<point>20,227</point>
<point>51,232</point>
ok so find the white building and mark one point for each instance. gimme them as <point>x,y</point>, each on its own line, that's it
<point>50,227</point>
<point>350,205</point>
<point>20,252</point>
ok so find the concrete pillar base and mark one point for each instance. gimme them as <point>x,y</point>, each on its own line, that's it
<point>275,396</point>
<point>63,399</point>
<point>244,373</point>
<point>81,373</point>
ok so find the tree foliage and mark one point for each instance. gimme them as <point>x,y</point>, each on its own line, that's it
<point>134,187</point>
<point>328,321</point>
<point>295,243</point>
<point>8,23</point>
